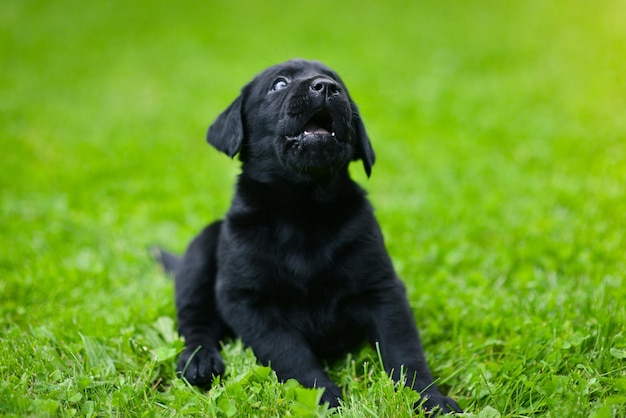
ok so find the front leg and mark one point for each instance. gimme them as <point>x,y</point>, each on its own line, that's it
<point>395,331</point>
<point>280,346</point>
<point>198,320</point>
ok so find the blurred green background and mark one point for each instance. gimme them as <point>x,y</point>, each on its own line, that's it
<point>499,129</point>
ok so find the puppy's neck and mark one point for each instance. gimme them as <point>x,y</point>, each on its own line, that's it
<point>279,196</point>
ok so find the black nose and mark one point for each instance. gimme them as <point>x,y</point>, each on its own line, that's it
<point>323,85</point>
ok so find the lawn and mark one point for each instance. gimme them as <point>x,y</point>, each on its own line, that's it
<point>500,185</point>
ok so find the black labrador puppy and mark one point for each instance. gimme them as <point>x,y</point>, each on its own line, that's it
<point>298,268</point>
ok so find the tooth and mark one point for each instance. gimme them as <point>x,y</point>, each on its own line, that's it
<point>307,133</point>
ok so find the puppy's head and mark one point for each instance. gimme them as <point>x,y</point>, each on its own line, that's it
<point>293,122</point>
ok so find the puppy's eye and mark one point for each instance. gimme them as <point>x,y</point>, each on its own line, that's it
<point>279,84</point>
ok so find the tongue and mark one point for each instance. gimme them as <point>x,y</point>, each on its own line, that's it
<point>314,128</point>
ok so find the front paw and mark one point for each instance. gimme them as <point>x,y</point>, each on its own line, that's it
<point>332,395</point>
<point>200,365</point>
<point>439,404</point>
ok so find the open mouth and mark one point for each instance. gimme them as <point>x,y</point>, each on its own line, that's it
<point>320,124</point>
<point>315,148</point>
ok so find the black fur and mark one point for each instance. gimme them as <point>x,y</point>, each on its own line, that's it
<point>298,268</point>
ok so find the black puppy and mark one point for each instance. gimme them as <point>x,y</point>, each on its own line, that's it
<point>298,268</point>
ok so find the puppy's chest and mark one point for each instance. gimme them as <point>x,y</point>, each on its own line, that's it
<point>296,245</point>
<point>304,252</point>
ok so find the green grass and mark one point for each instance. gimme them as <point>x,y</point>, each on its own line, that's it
<point>500,185</point>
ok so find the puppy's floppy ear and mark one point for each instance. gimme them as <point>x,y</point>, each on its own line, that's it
<point>364,148</point>
<point>226,133</point>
